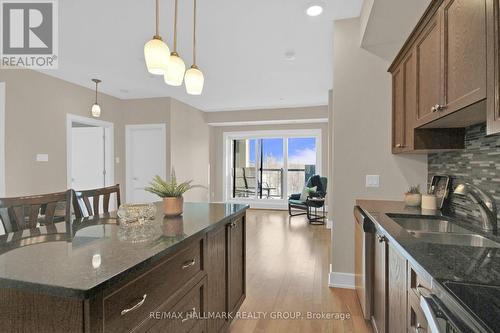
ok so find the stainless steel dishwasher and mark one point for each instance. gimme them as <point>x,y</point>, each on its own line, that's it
<point>363,260</point>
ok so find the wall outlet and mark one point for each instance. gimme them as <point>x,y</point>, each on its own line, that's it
<point>117,160</point>
<point>42,157</point>
<point>372,181</point>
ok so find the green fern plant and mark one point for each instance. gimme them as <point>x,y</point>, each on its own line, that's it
<point>169,189</point>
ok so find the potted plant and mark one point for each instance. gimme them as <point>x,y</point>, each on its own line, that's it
<point>171,192</point>
<point>413,197</point>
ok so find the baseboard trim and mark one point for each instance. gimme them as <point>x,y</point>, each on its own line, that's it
<point>341,280</point>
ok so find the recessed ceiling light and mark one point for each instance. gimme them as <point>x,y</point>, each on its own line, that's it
<point>290,55</point>
<point>314,10</point>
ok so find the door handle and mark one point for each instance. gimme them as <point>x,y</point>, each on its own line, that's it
<point>189,263</point>
<point>135,307</point>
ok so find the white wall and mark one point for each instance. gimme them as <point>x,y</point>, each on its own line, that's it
<point>361,128</point>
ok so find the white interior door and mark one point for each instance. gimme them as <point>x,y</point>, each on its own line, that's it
<point>146,158</point>
<point>87,158</point>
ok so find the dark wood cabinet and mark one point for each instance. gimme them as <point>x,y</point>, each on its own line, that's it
<point>464,47</point>
<point>428,76</point>
<point>397,290</point>
<point>398,109</point>
<point>216,276</point>
<point>451,63</point>
<point>380,315</point>
<point>236,264</point>
<point>404,105</point>
<point>493,66</point>
<point>226,272</point>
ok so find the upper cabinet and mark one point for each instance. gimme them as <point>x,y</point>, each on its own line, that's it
<point>428,78</point>
<point>445,78</point>
<point>464,47</point>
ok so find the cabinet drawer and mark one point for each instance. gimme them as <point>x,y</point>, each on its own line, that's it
<point>186,315</point>
<point>416,318</point>
<point>414,280</point>
<point>127,307</point>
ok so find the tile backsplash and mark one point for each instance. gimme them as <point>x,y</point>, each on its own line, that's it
<point>478,164</point>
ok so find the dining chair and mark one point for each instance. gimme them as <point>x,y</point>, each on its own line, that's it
<point>84,208</point>
<point>33,211</point>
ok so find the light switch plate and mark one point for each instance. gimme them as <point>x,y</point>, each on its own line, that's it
<point>372,180</point>
<point>42,157</point>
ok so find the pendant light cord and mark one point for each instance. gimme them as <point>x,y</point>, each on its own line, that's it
<point>194,34</point>
<point>96,92</point>
<point>157,18</point>
<point>175,26</point>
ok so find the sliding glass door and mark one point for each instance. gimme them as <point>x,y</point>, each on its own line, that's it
<point>270,168</point>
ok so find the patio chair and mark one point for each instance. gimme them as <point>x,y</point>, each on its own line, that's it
<point>313,202</point>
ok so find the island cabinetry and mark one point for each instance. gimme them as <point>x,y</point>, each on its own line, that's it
<point>192,285</point>
<point>226,272</point>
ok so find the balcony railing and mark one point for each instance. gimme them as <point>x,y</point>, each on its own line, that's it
<point>271,184</point>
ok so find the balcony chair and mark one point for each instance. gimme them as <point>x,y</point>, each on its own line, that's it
<point>313,202</point>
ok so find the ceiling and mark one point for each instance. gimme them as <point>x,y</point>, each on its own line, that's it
<point>241,49</point>
<point>385,31</point>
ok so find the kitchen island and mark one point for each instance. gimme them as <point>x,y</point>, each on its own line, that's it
<point>94,275</point>
<point>464,278</point>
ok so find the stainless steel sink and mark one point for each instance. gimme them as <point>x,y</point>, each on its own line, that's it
<point>440,231</point>
<point>473,240</point>
<point>429,224</point>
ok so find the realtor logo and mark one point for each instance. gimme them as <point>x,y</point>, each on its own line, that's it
<point>29,34</point>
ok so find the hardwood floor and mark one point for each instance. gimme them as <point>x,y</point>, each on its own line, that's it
<point>287,272</point>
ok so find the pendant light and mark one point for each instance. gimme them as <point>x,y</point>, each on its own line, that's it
<point>176,67</point>
<point>96,108</point>
<point>156,52</point>
<point>194,77</point>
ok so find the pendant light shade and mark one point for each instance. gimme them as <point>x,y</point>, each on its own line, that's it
<point>194,81</point>
<point>96,108</point>
<point>176,67</point>
<point>157,55</point>
<point>156,52</point>
<point>194,77</point>
<point>176,70</point>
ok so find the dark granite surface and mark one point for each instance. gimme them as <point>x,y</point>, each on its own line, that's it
<point>441,262</point>
<point>82,259</point>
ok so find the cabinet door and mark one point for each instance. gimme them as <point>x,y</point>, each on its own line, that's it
<point>397,291</point>
<point>216,277</point>
<point>380,285</point>
<point>236,264</point>
<point>398,110</point>
<point>429,87</point>
<point>410,103</point>
<point>464,38</point>
<point>493,59</point>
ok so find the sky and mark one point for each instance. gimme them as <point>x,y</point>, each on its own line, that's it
<point>300,150</point>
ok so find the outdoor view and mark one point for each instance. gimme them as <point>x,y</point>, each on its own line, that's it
<point>259,166</point>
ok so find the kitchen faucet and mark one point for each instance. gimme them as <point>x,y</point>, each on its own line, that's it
<point>486,205</point>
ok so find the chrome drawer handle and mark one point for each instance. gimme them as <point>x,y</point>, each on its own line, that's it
<point>189,263</point>
<point>418,328</point>
<point>193,312</point>
<point>135,307</point>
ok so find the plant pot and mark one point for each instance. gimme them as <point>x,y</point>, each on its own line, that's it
<point>173,206</point>
<point>413,200</point>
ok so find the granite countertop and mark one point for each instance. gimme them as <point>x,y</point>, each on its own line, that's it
<point>439,262</point>
<point>80,259</point>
